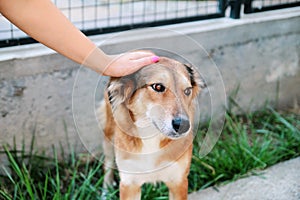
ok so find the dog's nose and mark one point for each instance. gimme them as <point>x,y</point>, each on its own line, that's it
<point>180,125</point>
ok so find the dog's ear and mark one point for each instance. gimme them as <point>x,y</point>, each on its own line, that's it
<point>196,81</point>
<point>119,90</point>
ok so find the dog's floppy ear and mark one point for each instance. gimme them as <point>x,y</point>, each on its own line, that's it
<point>119,90</point>
<point>196,82</point>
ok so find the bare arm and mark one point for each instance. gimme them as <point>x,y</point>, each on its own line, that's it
<point>43,21</point>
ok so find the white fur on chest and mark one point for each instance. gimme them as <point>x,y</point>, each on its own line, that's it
<point>144,161</point>
<point>144,168</point>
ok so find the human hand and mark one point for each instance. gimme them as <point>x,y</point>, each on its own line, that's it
<point>128,63</point>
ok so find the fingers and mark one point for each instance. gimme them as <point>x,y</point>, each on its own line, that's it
<point>137,60</point>
<point>139,54</point>
<point>129,63</point>
<point>146,61</point>
<point>142,58</point>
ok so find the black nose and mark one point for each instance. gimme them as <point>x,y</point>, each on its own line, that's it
<point>180,125</point>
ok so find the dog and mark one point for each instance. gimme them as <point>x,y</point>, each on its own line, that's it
<point>147,119</point>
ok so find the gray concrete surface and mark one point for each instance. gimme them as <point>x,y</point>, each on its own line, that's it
<point>259,53</point>
<point>279,182</point>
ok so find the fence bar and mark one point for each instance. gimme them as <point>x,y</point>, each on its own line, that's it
<point>248,6</point>
<point>222,7</point>
<point>235,9</point>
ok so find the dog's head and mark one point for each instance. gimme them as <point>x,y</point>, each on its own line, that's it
<point>160,96</point>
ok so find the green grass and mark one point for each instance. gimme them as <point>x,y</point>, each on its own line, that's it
<point>248,143</point>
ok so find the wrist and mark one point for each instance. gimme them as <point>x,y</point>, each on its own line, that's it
<point>98,61</point>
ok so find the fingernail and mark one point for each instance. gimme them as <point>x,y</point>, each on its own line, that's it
<point>155,59</point>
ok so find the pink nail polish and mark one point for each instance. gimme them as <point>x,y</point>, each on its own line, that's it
<point>155,59</point>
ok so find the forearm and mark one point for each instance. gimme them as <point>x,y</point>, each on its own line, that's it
<point>44,22</point>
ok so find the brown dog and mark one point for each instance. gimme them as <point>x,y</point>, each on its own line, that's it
<point>148,125</point>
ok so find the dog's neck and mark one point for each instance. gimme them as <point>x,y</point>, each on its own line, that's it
<point>151,138</point>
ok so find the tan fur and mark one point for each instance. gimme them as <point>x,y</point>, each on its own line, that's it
<point>141,129</point>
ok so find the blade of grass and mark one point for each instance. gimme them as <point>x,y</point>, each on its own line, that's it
<point>8,175</point>
<point>87,182</point>
<point>5,195</point>
<point>284,121</point>
<point>212,181</point>
<point>13,163</point>
<point>264,165</point>
<point>22,173</point>
<point>57,178</point>
<point>45,188</point>
<point>27,181</point>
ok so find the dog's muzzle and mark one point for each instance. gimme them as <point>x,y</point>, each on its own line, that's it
<point>180,125</point>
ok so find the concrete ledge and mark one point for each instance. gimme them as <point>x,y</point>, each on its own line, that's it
<point>259,54</point>
<point>279,182</point>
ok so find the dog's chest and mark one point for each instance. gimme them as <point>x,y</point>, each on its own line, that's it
<point>151,144</point>
<point>147,165</point>
<point>147,159</point>
<point>154,162</point>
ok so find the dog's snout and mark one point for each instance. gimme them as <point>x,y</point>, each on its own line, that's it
<point>180,125</point>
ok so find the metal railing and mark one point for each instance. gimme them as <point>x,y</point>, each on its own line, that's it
<point>253,6</point>
<point>104,16</point>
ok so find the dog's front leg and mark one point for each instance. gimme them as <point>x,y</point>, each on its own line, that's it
<point>130,192</point>
<point>178,191</point>
<point>109,163</point>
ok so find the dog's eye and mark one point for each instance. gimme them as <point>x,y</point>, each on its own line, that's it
<point>187,91</point>
<point>158,87</point>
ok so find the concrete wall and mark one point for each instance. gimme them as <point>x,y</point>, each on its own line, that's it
<point>259,53</point>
